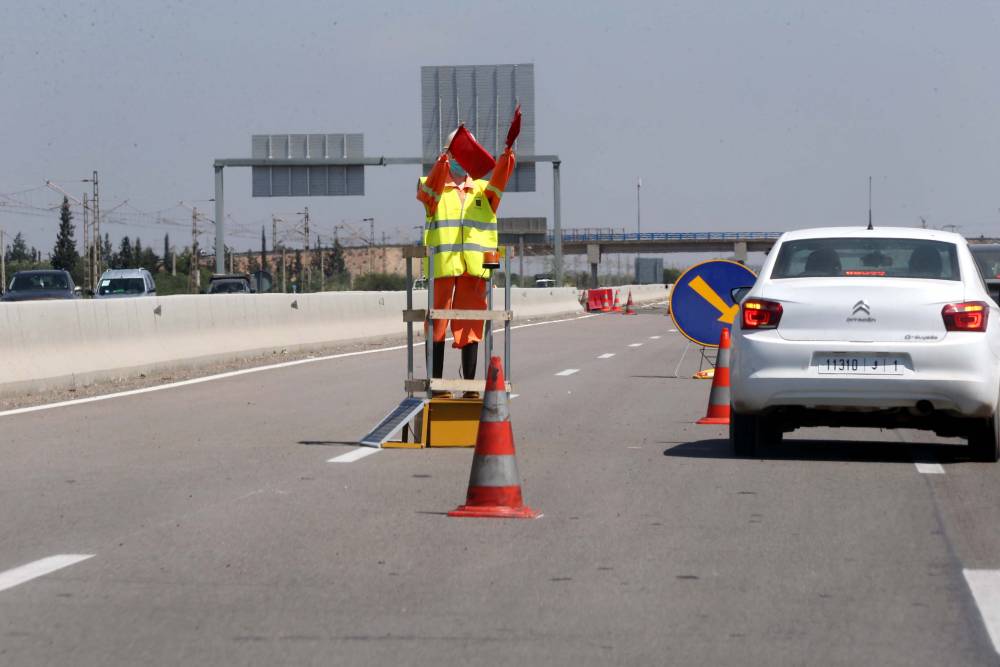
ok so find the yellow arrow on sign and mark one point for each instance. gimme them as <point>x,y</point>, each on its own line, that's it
<point>728,313</point>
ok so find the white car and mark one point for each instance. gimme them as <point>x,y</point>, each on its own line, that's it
<point>884,327</point>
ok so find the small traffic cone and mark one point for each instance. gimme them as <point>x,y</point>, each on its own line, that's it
<point>606,302</point>
<point>628,305</point>
<point>494,485</point>
<point>718,398</point>
<point>617,307</point>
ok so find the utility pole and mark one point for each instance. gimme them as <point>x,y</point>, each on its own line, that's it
<point>283,289</point>
<point>97,219</point>
<point>274,232</point>
<point>173,262</point>
<point>322,270</point>
<point>371,244</point>
<point>305,228</point>
<point>194,280</point>
<point>3,261</point>
<point>87,278</point>
<point>385,268</point>
<point>638,212</point>
<point>263,261</point>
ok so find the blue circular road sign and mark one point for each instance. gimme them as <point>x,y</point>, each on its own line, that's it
<point>700,303</point>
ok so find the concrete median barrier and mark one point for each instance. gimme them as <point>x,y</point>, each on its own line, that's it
<point>58,344</point>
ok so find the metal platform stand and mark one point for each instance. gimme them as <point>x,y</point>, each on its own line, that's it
<point>434,413</point>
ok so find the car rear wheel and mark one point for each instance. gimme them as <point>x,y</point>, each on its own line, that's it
<point>984,441</point>
<point>744,434</point>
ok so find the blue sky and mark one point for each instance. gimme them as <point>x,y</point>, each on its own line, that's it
<point>737,116</point>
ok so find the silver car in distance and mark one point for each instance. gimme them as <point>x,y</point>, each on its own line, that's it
<point>884,327</point>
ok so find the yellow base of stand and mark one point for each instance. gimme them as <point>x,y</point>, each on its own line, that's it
<point>444,422</point>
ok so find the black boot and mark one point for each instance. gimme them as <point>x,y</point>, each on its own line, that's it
<point>437,359</point>
<point>469,355</point>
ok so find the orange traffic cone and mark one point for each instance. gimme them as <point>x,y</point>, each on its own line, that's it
<point>718,398</point>
<point>494,485</point>
<point>628,305</point>
<point>606,303</point>
<point>617,307</point>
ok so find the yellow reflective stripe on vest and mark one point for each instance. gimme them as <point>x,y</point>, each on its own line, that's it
<point>475,224</point>
<point>427,190</point>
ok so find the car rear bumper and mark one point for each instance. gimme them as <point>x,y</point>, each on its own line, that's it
<point>958,374</point>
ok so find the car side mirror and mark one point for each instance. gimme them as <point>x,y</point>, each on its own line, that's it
<point>78,290</point>
<point>737,293</point>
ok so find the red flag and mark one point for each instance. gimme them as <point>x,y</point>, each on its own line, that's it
<point>475,159</point>
<point>515,127</point>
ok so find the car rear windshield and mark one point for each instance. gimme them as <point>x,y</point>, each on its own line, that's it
<point>40,282</point>
<point>227,287</point>
<point>988,261</point>
<point>122,286</point>
<point>867,258</point>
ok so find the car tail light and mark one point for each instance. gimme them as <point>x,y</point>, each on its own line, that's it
<point>761,314</point>
<point>967,316</point>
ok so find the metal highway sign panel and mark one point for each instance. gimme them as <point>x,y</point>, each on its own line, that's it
<point>700,303</point>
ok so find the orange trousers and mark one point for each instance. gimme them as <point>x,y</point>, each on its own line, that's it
<point>462,292</point>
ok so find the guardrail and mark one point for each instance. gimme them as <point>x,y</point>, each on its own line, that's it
<point>58,344</point>
<point>571,235</point>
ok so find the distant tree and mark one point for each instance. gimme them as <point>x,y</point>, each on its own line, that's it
<point>297,267</point>
<point>107,251</point>
<point>18,250</point>
<point>136,253</point>
<point>166,249</point>
<point>336,265</point>
<point>64,254</point>
<point>36,255</point>
<point>123,258</point>
<point>670,275</point>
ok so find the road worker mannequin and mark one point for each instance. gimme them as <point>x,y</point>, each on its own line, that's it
<point>461,227</point>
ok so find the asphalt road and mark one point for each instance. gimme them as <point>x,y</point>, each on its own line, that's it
<point>220,534</point>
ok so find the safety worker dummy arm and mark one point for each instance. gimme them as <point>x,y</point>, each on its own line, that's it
<point>429,191</point>
<point>498,181</point>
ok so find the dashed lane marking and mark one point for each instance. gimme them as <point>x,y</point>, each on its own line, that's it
<point>654,338</point>
<point>606,355</point>
<point>635,345</point>
<point>355,455</point>
<point>672,331</point>
<point>929,468</point>
<point>38,568</point>
<point>568,371</point>
<point>985,587</point>
<point>245,371</point>
<point>513,396</point>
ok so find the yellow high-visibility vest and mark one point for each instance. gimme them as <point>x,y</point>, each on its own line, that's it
<point>461,234</point>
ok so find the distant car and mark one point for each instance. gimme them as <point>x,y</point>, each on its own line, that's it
<point>420,283</point>
<point>545,282</point>
<point>230,283</point>
<point>987,256</point>
<point>41,285</point>
<point>887,328</point>
<point>120,283</point>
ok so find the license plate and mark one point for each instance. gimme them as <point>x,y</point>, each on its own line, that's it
<point>843,364</point>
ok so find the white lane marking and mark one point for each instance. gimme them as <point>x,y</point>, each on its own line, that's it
<point>245,371</point>
<point>672,331</point>
<point>355,455</point>
<point>606,355</point>
<point>654,338</point>
<point>38,568</point>
<point>513,396</point>
<point>929,468</point>
<point>568,371</point>
<point>985,587</point>
<point>635,344</point>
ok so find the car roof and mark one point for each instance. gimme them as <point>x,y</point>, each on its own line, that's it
<point>37,271</point>
<point>124,273</point>
<point>877,232</point>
